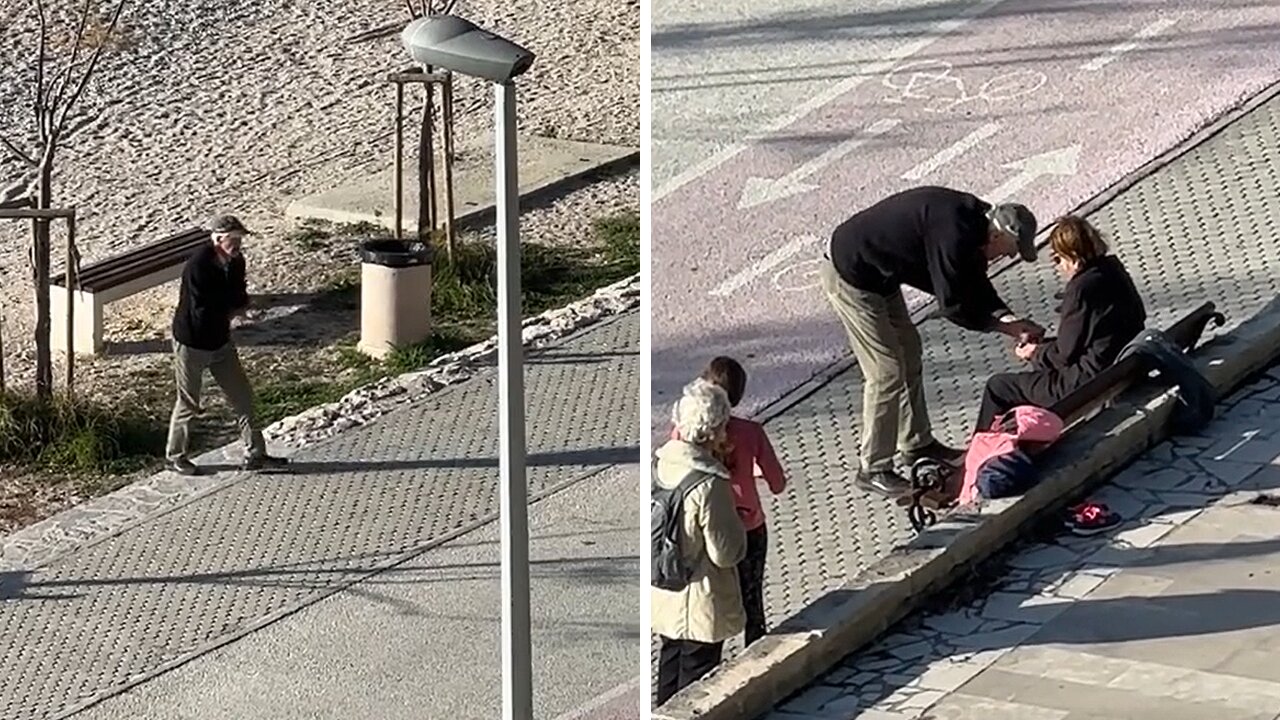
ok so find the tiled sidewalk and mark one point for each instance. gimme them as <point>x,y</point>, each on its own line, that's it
<point>1175,614</point>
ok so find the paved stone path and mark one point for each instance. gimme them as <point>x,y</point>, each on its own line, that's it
<point>255,549</point>
<point>1174,615</point>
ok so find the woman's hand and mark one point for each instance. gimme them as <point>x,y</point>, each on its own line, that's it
<point>1025,351</point>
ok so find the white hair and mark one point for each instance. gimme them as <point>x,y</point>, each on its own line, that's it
<point>701,411</point>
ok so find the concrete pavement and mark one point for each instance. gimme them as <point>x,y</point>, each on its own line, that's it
<point>365,582</point>
<point>1175,614</point>
<point>545,164</point>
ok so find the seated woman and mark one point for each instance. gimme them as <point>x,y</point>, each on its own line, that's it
<point>1101,312</point>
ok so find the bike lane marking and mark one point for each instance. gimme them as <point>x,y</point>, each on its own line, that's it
<point>938,31</point>
<point>1116,52</point>
<point>702,240</point>
<point>952,152</point>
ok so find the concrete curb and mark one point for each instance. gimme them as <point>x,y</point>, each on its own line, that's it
<point>839,623</point>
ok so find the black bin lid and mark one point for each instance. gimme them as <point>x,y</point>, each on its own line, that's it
<point>390,252</point>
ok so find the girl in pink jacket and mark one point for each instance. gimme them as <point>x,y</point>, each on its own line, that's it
<point>751,449</point>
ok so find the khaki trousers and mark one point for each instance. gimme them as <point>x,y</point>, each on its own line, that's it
<point>189,365</point>
<point>887,347</point>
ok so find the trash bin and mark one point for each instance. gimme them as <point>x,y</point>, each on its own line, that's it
<point>395,295</point>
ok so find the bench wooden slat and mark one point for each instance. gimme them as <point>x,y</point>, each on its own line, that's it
<point>138,262</point>
<point>1118,377</point>
<point>140,266</point>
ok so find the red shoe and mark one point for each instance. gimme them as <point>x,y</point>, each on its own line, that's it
<point>1091,518</point>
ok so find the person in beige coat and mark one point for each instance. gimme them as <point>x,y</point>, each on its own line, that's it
<point>693,623</point>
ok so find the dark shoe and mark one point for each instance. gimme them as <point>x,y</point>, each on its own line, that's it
<point>266,462</point>
<point>952,457</point>
<point>184,467</point>
<point>882,482</point>
<point>1090,518</point>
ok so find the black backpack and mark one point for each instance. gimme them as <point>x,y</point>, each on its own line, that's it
<point>666,517</point>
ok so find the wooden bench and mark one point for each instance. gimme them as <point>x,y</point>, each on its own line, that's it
<point>937,494</point>
<point>114,279</point>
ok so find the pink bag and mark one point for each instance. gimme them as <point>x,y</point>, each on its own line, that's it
<point>1033,424</point>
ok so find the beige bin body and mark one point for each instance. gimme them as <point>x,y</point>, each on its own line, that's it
<point>395,297</point>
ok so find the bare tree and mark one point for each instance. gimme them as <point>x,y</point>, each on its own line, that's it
<point>429,7</point>
<point>428,212</point>
<point>63,71</point>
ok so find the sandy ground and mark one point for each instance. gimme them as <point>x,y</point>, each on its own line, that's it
<point>241,107</point>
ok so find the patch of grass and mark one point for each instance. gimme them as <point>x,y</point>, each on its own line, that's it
<point>465,289</point>
<point>313,234</point>
<point>620,235</point>
<point>442,342</point>
<point>282,398</point>
<point>364,228</point>
<point>75,437</point>
<point>342,292</point>
<point>310,234</point>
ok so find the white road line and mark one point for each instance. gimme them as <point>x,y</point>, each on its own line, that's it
<point>1118,51</point>
<point>759,191</point>
<point>1062,162</point>
<point>939,31</point>
<point>757,269</point>
<point>960,147</point>
<point>599,701</point>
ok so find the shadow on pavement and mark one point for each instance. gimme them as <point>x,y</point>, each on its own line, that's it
<point>1092,621</point>
<point>807,25</point>
<point>585,457</point>
<point>323,573</point>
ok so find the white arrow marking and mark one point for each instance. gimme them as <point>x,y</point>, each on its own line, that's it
<point>1060,162</point>
<point>1245,438</point>
<point>759,191</point>
<point>735,282</point>
<point>962,146</point>
<point>1116,52</point>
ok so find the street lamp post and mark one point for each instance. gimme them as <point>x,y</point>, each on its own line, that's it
<point>517,653</point>
<point>449,42</point>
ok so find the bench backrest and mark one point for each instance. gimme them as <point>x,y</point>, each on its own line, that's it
<point>139,262</point>
<point>1109,383</point>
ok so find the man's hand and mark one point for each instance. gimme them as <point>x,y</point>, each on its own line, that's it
<point>1024,331</point>
<point>1025,350</point>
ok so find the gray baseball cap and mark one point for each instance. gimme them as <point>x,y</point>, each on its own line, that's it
<point>1016,220</point>
<point>227,224</point>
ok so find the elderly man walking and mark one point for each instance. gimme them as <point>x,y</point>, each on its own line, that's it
<point>939,241</point>
<point>213,291</point>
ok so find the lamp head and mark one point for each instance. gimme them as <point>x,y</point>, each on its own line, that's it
<point>452,43</point>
